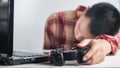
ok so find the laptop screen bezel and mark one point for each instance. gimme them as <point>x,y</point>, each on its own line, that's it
<point>7,47</point>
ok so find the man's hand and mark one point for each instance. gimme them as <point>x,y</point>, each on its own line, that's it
<point>99,49</point>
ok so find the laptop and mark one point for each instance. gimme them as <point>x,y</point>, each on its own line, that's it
<point>7,55</point>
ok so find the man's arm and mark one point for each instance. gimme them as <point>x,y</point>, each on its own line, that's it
<point>48,32</point>
<point>101,46</point>
<point>53,35</point>
<point>113,41</point>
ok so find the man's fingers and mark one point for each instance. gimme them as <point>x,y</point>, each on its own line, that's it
<point>84,43</point>
<point>90,53</point>
<point>96,58</point>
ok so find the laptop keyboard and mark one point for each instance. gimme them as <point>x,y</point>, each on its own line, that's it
<point>26,54</point>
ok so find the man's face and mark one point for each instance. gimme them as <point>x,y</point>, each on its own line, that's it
<point>82,30</point>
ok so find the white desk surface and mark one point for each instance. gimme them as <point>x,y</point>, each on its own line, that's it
<point>110,61</point>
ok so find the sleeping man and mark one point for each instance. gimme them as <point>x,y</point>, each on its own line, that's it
<point>96,27</point>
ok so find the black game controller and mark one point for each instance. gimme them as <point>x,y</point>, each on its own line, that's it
<point>59,56</point>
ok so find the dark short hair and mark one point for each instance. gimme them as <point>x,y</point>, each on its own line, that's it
<point>105,19</point>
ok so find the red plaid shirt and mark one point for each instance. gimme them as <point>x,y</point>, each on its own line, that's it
<point>59,30</point>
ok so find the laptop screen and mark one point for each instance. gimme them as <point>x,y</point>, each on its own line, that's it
<point>6,27</point>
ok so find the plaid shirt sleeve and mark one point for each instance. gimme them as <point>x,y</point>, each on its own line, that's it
<point>117,37</point>
<point>50,31</point>
<point>59,30</point>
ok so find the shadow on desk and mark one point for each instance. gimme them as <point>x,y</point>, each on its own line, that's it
<point>68,63</point>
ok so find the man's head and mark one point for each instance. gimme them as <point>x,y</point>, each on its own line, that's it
<point>101,18</point>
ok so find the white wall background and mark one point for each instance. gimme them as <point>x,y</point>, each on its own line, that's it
<point>30,17</point>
